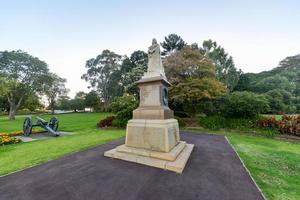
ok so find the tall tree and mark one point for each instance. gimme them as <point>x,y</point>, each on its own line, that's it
<point>132,70</point>
<point>226,71</point>
<point>193,79</point>
<point>92,100</point>
<point>54,87</point>
<point>103,75</point>
<point>21,74</point>
<point>78,102</point>
<point>172,44</point>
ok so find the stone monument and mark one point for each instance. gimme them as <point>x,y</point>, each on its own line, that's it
<point>152,136</point>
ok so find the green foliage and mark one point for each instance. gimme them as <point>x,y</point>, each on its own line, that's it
<point>181,122</point>
<point>219,122</point>
<point>32,103</point>
<point>103,74</point>
<point>121,123</point>
<point>123,107</point>
<point>92,100</point>
<point>53,87</point>
<point>192,76</point>
<point>132,70</point>
<point>172,44</point>
<point>274,82</point>
<point>4,105</point>
<point>226,71</point>
<point>193,90</point>
<point>78,102</point>
<point>20,74</point>
<point>281,84</point>
<point>281,101</point>
<point>245,105</point>
<point>188,63</point>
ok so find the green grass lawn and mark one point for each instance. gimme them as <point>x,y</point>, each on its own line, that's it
<point>274,164</point>
<point>20,156</point>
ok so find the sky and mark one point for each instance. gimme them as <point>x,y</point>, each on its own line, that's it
<point>66,33</point>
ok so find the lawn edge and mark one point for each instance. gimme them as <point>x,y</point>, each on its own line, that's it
<point>259,189</point>
<point>65,155</point>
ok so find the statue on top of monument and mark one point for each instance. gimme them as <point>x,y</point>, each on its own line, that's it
<point>155,67</point>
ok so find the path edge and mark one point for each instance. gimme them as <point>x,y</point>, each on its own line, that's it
<point>253,180</point>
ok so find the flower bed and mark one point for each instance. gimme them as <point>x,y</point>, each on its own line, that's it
<point>7,139</point>
<point>289,124</point>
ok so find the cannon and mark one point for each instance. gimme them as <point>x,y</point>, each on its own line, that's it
<point>51,127</point>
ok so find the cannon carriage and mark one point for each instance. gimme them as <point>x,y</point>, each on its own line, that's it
<point>51,126</point>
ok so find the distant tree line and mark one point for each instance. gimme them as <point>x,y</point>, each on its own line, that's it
<point>204,79</point>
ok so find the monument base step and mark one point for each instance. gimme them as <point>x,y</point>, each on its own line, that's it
<point>176,165</point>
<point>172,155</point>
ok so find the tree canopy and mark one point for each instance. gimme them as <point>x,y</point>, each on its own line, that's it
<point>172,43</point>
<point>22,74</point>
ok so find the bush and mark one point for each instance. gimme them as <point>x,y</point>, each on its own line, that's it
<point>6,139</point>
<point>244,105</point>
<point>106,122</point>
<point>217,122</point>
<point>267,122</point>
<point>290,125</point>
<point>181,122</point>
<point>123,107</point>
<point>121,123</point>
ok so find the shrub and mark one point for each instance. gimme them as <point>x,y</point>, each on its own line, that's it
<point>121,123</point>
<point>181,122</point>
<point>6,139</point>
<point>217,122</point>
<point>244,105</point>
<point>267,122</point>
<point>290,125</point>
<point>123,107</point>
<point>106,122</point>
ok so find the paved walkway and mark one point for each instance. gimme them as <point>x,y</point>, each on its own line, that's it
<point>213,172</point>
<point>41,136</point>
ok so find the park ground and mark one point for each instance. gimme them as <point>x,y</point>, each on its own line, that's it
<point>273,163</point>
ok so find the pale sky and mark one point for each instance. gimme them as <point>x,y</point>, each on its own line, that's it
<point>66,33</point>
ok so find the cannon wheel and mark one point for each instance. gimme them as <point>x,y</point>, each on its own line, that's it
<point>27,126</point>
<point>54,123</point>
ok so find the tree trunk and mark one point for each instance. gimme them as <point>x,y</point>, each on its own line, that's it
<point>12,110</point>
<point>13,107</point>
<point>52,110</point>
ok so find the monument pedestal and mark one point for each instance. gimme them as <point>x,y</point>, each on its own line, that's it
<point>181,152</point>
<point>152,136</point>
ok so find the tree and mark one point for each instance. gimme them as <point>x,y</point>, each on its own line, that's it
<point>132,70</point>
<point>172,44</point>
<point>188,63</point>
<point>4,105</point>
<point>226,71</point>
<point>103,74</point>
<point>78,102</point>
<point>54,87</point>
<point>245,104</point>
<point>280,101</point>
<point>274,82</point>
<point>21,74</point>
<point>32,103</point>
<point>91,100</point>
<point>244,83</point>
<point>193,79</point>
<point>63,102</point>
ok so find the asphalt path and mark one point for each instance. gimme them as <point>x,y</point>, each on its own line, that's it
<point>214,171</point>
